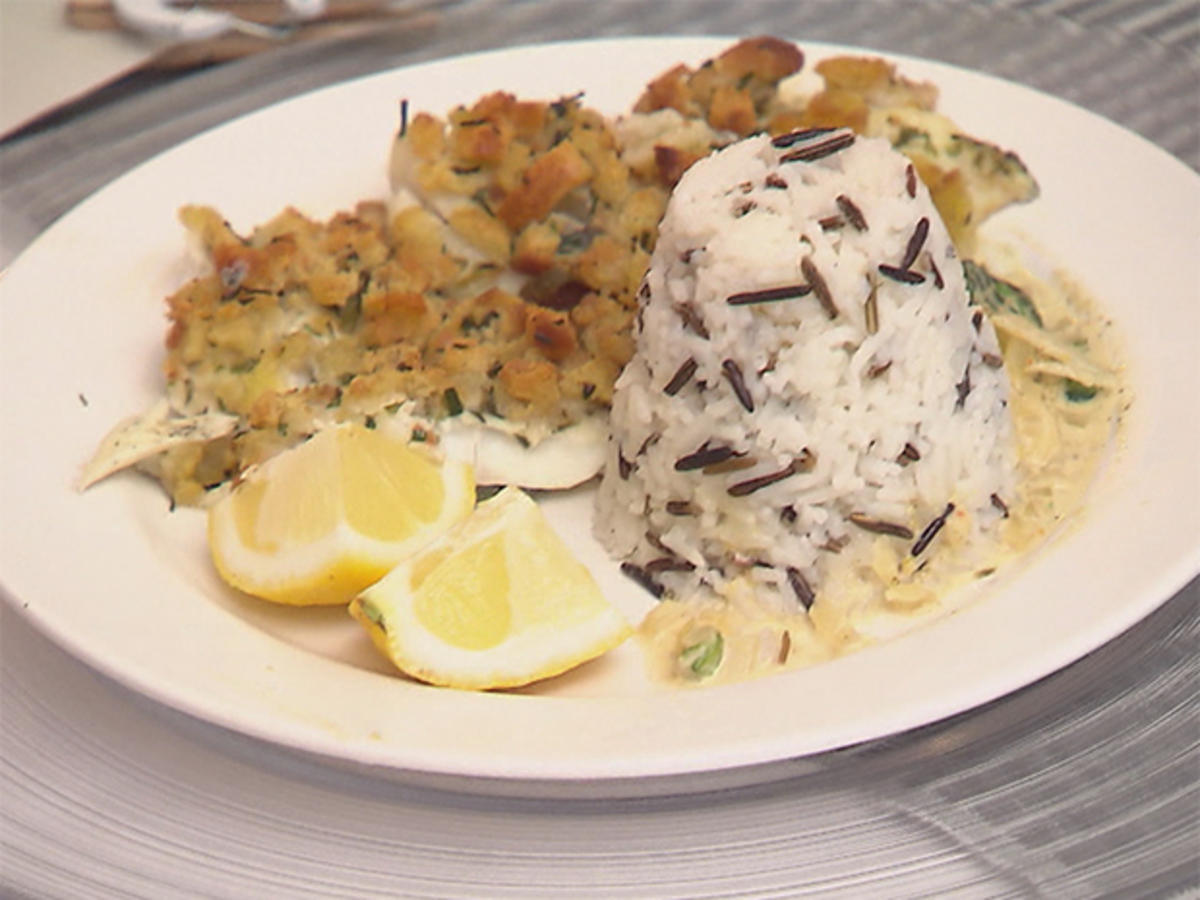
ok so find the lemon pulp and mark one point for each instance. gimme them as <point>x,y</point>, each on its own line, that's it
<point>497,601</point>
<point>322,521</point>
<point>466,604</point>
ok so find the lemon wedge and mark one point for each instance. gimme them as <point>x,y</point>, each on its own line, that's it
<point>321,521</point>
<point>498,601</point>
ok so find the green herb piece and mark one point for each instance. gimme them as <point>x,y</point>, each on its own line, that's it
<point>453,404</point>
<point>913,138</point>
<point>481,197</point>
<point>1001,167</point>
<point>469,325</point>
<point>704,657</point>
<point>996,295</point>
<point>487,491</point>
<point>560,106</point>
<point>370,422</point>
<point>371,611</point>
<point>575,241</point>
<point>351,312</point>
<point>1078,393</point>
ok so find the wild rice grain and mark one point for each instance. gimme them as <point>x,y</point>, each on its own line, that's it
<point>819,287</point>
<point>820,149</point>
<point>880,526</point>
<point>691,319</point>
<point>853,214</point>
<point>835,544</point>
<point>667,564</point>
<point>705,456</point>
<point>785,648</point>
<point>904,276</point>
<point>624,467</point>
<point>783,141</point>
<point>871,310</point>
<point>681,377</point>
<point>648,443</point>
<point>962,389</point>
<point>643,578</point>
<point>750,485</point>
<point>804,591</point>
<point>915,243</point>
<point>735,463</point>
<point>938,281</point>
<point>656,542</point>
<point>930,531</point>
<point>733,373</point>
<point>769,295</point>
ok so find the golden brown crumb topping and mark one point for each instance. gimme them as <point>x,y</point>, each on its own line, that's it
<point>501,280</point>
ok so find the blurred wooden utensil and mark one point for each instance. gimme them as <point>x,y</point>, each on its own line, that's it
<point>277,23</point>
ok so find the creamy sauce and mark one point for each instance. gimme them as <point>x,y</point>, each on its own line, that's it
<point>1063,436</point>
<point>1067,400</point>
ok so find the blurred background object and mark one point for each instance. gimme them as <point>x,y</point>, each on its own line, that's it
<point>54,54</point>
<point>201,33</point>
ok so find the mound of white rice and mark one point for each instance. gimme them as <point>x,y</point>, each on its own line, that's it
<point>813,402</point>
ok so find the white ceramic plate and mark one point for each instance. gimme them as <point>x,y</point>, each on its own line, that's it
<point>125,584</point>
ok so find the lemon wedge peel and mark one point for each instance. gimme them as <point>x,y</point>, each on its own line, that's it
<point>318,523</point>
<point>498,601</point>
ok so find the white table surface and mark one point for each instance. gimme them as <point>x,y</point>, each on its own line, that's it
<point>44,62</point>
